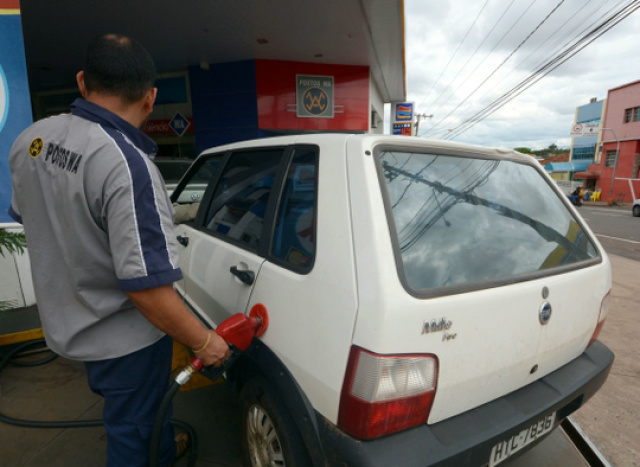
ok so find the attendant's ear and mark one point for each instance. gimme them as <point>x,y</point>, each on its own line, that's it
<point>150,99</point>
<point>81,86</point>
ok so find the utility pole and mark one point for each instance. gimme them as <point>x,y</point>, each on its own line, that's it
<point>420,117</point>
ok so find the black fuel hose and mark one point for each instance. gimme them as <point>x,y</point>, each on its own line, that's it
<point>10,357</point>
<point>154,444</point>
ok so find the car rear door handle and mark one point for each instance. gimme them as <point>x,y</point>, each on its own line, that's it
<point>184,241</point>
<point>245,276</point>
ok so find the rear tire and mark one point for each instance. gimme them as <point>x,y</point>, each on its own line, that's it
<point>269,434</point>
<point>636,210</point>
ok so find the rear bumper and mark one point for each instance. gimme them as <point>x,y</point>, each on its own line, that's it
<point>467,439</point>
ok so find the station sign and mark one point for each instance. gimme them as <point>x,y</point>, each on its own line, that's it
<point>402,118</point>
<point>163,126</point>
<point>585,129</point>
<point>179,124</point>
<point>403,129</point>
<point>314,96</point>
<point>15,100</point>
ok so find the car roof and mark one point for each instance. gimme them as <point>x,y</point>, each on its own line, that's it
<point>367,140</point>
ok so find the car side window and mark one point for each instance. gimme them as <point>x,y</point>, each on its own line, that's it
<point>239,203</point>
<point>200,175</point>
<point>294,238</point>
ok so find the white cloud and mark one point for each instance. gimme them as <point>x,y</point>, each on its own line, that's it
<point>454,78</point>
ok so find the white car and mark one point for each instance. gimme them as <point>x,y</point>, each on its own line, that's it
<point>636,208</point>
<point>424,307</point>
<point>172,170</point>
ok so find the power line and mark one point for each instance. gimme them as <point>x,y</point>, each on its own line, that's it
<point>486,55</point>
<point>547,68</point>
<point>505,60</point>
<point>544,70</point>
<point>557,47</point>
<point>456,51</point>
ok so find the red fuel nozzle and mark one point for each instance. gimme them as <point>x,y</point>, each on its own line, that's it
<point>196,364</point>
<point>239,329</point>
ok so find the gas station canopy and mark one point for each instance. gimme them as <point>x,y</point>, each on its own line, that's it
<point>181,34</point>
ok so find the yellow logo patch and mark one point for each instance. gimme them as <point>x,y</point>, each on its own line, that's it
<point>36,147</point>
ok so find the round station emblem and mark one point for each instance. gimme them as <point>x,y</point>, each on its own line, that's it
<point>316,101</point>
<point>36,147</point>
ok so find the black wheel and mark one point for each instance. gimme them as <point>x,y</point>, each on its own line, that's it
<point>636,210</point>
<point>269,435</point>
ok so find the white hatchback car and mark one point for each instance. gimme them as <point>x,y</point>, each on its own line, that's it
<point>430,303</point>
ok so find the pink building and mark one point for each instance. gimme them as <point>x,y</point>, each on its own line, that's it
<point>619,134</point>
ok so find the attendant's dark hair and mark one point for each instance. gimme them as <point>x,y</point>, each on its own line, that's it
<point>119,66</point>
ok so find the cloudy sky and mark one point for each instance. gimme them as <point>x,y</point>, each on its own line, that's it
<point>464,55</point>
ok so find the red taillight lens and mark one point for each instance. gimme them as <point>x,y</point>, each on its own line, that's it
<point>604,311</point>
<point>383,394</point>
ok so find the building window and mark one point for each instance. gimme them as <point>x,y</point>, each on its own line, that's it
<point>611,159</point>
<point>584,152</point>
<point>632,114</point>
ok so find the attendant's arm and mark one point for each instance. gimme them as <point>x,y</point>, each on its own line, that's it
<point>163,307</point>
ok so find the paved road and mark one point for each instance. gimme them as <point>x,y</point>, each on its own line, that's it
<point>616,228</point>
<point>610,419</point>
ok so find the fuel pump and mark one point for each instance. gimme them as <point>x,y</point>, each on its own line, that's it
<point>238,331</point>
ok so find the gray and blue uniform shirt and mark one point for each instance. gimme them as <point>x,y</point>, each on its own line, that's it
<point>98,222</point>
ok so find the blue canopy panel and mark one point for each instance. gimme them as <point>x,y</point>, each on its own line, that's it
<point>575,166</point>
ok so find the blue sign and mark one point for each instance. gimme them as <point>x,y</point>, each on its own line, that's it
<point>403,129</point>
<point>403,112</point>
<point>15,102</point>
<point>179,124</point>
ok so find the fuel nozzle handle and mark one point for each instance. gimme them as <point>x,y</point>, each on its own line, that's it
<point>238,331</point>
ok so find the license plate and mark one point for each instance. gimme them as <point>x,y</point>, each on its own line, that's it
<point>507,448</point>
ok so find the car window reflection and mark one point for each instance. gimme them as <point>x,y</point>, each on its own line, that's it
<point>454,215</point>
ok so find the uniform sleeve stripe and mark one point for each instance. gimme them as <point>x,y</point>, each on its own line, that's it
<point>150,282</point>
<point>151,236</point>
<point>14,215</point>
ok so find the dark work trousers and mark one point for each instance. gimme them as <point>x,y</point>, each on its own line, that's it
<point>133,387</point>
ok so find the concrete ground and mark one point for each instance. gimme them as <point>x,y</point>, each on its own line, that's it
<point>611,417</point>
<point>58,391</point>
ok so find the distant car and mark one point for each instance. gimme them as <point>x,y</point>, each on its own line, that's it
<point>636,208</point>
<point>421,312</point>
<point>172,171</point>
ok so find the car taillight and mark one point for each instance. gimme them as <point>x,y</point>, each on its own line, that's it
<point>383,394</point>
<point>604,311</point>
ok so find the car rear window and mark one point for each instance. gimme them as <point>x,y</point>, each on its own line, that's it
<point>463,221</point>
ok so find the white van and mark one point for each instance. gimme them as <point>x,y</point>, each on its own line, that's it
<point>430,303</point>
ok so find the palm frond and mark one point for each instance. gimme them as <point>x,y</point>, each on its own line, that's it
<point>12,242</point>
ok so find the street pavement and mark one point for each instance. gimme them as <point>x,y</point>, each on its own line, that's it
<point>611,418</point>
